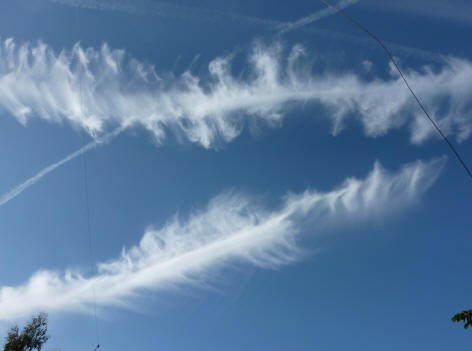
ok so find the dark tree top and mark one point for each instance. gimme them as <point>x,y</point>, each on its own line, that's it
<point>33,336</point>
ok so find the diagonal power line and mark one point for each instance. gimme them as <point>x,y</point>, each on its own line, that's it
<point>394,62</point>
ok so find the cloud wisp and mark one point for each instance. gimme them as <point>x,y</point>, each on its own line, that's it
<point>17,190</point>
<point>231,229</point>
<point>117,91</point>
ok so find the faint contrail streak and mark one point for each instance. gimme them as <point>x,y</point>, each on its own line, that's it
<point>289,26</point>
<point>184,12</point>
<point>31,181</point>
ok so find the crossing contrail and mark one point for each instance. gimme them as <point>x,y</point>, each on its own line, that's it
<point>185,12</point>
<point>289,26</point>
<point>37,177</point>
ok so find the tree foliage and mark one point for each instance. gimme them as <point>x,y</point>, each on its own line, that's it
<point>33,336</point>
<point>465,317</point>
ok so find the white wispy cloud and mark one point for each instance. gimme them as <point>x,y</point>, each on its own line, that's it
<point>231,229</point>
<point>289,26</point>
<point>17,190</point>
<point>116,91</point>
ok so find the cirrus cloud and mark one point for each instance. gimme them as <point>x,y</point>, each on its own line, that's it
<point>232,228</point>
<point>100,90</point>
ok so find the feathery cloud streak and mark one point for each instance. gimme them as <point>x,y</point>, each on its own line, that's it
<point>117,91</point>
<point>231,229</point>
<point>16,191</point>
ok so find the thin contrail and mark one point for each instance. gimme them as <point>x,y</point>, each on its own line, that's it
<point>184,12</point>
<point>289,26</point>
<point>165,10</point>
<point>31,181</point>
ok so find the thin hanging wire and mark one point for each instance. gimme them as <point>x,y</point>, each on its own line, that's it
<point>87,205</point>
<point>394,62</point>
<point>89,227</point>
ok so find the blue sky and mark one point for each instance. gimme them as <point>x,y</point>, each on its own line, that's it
<point>259,178</point>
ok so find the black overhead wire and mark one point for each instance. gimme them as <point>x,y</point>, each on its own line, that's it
<point>90,242</point>
<point>87,207</point>
<point>394,62</point>
<point>89,227</point>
